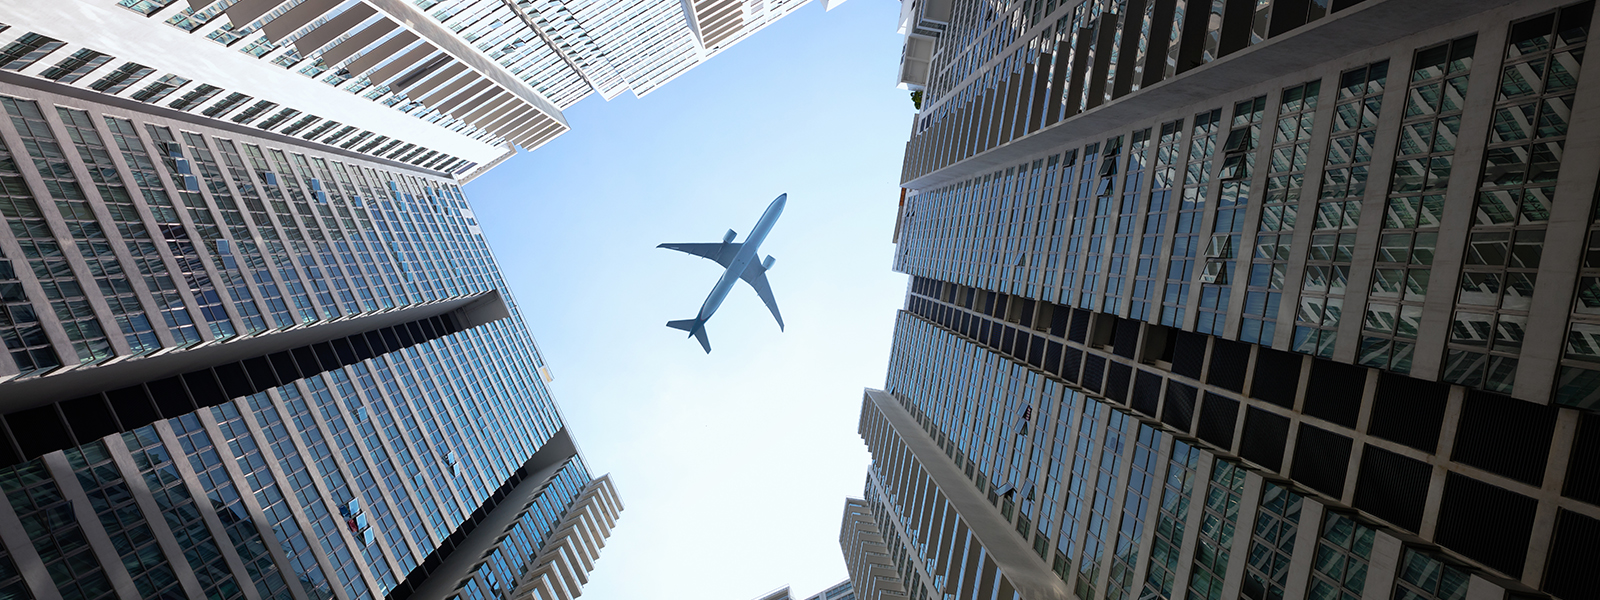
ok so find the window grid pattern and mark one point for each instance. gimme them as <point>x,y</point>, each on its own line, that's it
<point>219,489</point>
<point>1104,205</point>
<point>179,239</point>
<point>286,531</point>
<point>27,50</point>
<point>1238,162</point>
<point>1432,121</point>
<point>1072,281</point>
<point>112,501</point>
<point>1272,543</point>
<point>1056,183</point>
<point>1191,211</point>
<point>182,514</point>
<point>11,584</point>
<point>309,228</point>
<point>1533,106</point>
<point>1146,273</point>
<point>1344,182</point>
<point>87,233</point>
<point>1126,222</point>
<point>1343,554</point>
<point>169,225</point>
<point>1269,266</point>
<point>1059,461</point>
<point>35,236</point>
<point>371,496</point>
<point>76,66</point>
<point>1224,494</point>
<point>1165,551</point>
<point>121,79</point>
<point>422,385</point>
<point>365,412</point>
<point>222,256</point>
<point>273,243</point>
<point>1083,469</point>
<point>1428,577</point>
<point>119,203</point>
<point>1130,533</point>
<point>260,274</point>
<point>20,327</point>
<point>385,420</point>
<point>47,517</point>
<point>323,526</point>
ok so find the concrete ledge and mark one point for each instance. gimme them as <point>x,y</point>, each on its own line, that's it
<point>34,392</point>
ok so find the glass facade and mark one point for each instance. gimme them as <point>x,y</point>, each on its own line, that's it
<point>331,470</point>
<point>1207,424</point>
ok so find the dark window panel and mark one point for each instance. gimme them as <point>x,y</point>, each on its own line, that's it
<point>305,360</point>
<point>171,397</point>
<point>1276,378</point>
<point>1505,436</point>
<point>1094,371</point>
<point>1486,522</point>
<point>90,417</point>
<point>1189,354</point>
<point>1146,392</point>
<point>1333,392</point>
<point>261,375</point>
<point>1393,487</point>
<point>1218,415</point>
<point>1321,459</point>
<point>1080,326</point>
<point>283,365</point>
<point>1573,556</point>
<point>362,346</point>
<point>344,349</point>
<point>1229,361</point>
<point>391,339</point>
<point>1071,362</point>
<point>39,431</point>
<point>1265,435</point>
<point>133,407</point>
<point>1178,411</point>
<point>1125,337</point>
<point>1117,382</point>
<point>1583,469</point>
<point>1408,410</point>
<point>235,382</point>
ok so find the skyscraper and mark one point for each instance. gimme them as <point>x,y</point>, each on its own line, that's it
<point>1134,230</point>
<point>244,364</point>
<point>839,591</point>
<point>447,85</point>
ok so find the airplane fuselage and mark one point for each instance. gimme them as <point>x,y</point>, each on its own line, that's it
<point>747,252</point>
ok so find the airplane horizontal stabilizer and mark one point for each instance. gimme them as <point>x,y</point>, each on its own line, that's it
<point>696,328</point>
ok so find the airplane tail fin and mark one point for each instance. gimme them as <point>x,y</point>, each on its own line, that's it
<point>696,328</point>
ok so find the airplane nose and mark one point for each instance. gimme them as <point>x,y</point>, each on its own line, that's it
<point>782,199</point>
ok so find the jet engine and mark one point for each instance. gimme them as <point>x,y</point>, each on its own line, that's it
<point>766,265</point>
<point>728,237</point>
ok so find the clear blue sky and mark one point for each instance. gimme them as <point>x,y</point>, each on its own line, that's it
<point>733,466</point>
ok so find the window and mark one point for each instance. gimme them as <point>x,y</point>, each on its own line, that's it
<point>76,66</point>
<point>1527,136</point>
<point>27,50</point>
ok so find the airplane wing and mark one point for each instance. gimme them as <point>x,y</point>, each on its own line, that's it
<point>756,276</point>
<point>721,252</point>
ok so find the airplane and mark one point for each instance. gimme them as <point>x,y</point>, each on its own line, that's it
<point>740,260</point>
